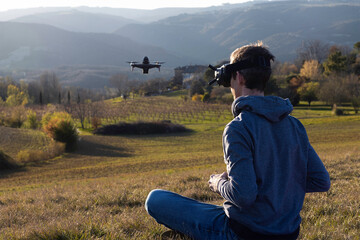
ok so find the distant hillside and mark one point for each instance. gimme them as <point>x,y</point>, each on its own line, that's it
<point>282,25</point>
<point>16,13</point>
<point>37,46</point>
<point>148,16</point>
<point>140,15</point>
<point>84,55</point>
<point>74,20</point>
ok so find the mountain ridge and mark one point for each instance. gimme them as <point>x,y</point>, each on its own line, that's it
<point>203,37</point>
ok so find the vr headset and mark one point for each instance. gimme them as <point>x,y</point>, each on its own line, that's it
<point>223,73</point>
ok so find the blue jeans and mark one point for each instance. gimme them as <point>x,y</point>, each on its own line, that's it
<point>193,218</point>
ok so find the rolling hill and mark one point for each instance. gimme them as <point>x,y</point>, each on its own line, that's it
<point>282,25</point>
<point>138,15</point>
<point>77,21</point>
<point>70,40</point>
<point>36,46</point>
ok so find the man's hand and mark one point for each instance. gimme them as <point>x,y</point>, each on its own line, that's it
<point>214,180</point>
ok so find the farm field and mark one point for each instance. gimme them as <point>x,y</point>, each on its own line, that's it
<point>99,190</point>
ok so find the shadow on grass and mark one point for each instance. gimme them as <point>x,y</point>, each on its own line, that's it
<point>7,172</point>
<point>8,165</point>
<point>100,146</point>
<point>313,108</point>
<point>141,128</point>
<point>163,135</point>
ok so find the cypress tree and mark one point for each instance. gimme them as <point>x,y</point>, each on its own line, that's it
<point>69,97</point>
<point>41,98</point>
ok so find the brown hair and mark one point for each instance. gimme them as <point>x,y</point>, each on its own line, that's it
<point>256,77</point>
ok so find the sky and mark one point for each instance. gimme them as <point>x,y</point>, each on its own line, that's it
<point>141,4</point>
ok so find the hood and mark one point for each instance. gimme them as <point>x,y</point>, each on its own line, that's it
<point>272,108</point>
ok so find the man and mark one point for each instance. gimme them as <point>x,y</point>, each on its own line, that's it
<point>270,165</point>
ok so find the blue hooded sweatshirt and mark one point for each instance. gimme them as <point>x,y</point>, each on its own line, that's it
<point>270,164</point>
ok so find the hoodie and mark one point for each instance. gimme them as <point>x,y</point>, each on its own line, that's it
<point>270,165</point>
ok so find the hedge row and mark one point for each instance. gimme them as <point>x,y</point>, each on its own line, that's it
<point>140,128</point>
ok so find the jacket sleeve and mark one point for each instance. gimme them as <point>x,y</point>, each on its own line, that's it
<point>240,188</point>
<point>317,179</point>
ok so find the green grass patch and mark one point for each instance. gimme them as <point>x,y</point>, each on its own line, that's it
<point>98,191</point>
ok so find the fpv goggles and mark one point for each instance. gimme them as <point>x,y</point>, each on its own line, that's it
<point>223,73</point>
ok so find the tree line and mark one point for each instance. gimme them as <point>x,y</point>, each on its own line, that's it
<point>45,90</point>
<point>320,72</point>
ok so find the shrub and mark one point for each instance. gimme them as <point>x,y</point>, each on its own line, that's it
<point>60,127</point>
<point>205,97</point>
<point>30,155</point>
<point>25,156</point>
<point>46,118</point>
<point>141,128</point>
<point>184,98</point>
<point>31,120</point>
<point>197,97</point>
<point>95,122</point>
<point>355,102</point>
<point>338,112</point>
<point>17,117</point>
<point>196,88</point>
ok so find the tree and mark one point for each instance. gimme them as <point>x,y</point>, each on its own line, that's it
<point>284,69</point>
<point>335,63</point>
<point>355,67</point>
<point>291,94</point>
<point>309,91</point>
<point>16,97</point>
<point>176,82</point>
<point>311,70</point>
<point>281,73</point>
<point>122,83</point>
<point>41,98</point>
<point>34,90</point>
<point>334,90</point>
<point>271,86</point>
<point>153,86</point>
<point>4,83</point>
<point>68,97</point>
<point>312,50</point>
<point>61,127</point>
<point>352,82</point>
<point>196,88</point>
<point>355,102</point>
<point>357,47</point>
<point>50,87</point>
<point>80,111</point>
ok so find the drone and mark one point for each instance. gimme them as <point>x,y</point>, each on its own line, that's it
<point>145,65</point>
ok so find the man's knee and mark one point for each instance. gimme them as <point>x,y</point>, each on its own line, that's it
<point>155,200</point>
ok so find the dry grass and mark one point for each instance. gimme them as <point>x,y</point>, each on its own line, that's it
<point>98,192</point>
<point>12,140</point>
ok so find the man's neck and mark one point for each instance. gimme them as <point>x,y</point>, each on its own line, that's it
<point>252,92</point>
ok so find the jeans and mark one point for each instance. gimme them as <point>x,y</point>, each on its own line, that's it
<point>188,216</point>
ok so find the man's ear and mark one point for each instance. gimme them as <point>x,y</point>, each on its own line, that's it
<point>240,78</point>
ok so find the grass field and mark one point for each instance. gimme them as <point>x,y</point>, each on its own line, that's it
<point>98,191</point>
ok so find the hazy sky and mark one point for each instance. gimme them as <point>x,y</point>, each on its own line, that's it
<point>143,4</point>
